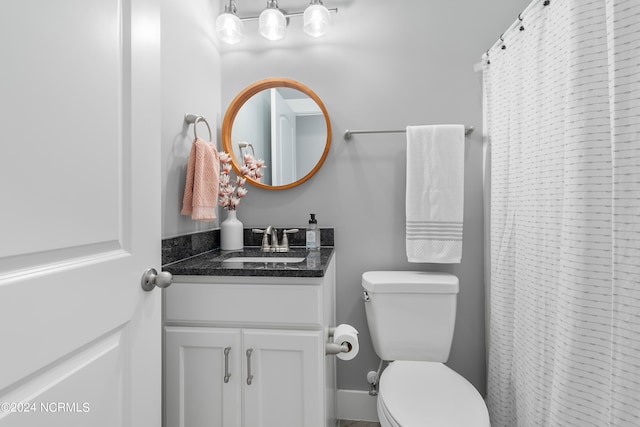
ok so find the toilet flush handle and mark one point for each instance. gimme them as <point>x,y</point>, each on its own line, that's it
<point>365,296</point>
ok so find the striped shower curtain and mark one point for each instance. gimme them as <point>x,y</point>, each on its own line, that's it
<point>563,121</point>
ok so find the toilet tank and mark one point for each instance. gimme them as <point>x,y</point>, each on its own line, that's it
<point>411,314</point>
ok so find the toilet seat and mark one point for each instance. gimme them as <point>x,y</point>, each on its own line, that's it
<point>423,394</point>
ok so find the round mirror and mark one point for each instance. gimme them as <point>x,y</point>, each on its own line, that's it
<point>282,122</point>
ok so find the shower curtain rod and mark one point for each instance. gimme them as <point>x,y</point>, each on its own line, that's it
<point>348,134</point>
<point>517,22</point>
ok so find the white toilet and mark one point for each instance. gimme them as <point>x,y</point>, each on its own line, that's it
<point>411,317</point>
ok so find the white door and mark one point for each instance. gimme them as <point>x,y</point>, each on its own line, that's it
<point>79,213</point>
<point>283,137</point>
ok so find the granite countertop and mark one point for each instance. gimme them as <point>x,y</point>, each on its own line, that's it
<point>211,263</point>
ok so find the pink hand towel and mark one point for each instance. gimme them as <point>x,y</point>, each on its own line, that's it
<point>203,176</point>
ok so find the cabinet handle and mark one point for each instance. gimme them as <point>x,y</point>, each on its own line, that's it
<point>227,375</point>
<point>249,376</point>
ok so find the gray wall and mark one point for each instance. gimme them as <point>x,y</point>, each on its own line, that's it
<point>190,84</point>
<point>385,65</point>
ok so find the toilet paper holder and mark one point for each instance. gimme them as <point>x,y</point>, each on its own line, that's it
<point>332,348</point>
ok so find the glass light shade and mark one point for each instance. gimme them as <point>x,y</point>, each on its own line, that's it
<point>272,24</point>
<point>229,28</point>
<point>317,20</point>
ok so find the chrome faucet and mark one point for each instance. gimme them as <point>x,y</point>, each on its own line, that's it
<point>273,232</point>
<point>273,245</point>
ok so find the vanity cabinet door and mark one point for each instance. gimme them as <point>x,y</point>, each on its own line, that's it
<point>196,394</point>
<point>287,383</point>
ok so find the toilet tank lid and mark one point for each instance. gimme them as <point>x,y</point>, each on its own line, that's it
<point>419,282</point>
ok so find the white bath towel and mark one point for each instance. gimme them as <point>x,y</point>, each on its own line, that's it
<point>435,193</point>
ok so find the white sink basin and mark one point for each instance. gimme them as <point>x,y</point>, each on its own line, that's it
<point>283,259</point>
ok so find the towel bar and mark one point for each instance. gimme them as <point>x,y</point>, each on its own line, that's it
<point>348,134</point>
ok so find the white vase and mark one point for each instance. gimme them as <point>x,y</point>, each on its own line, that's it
<point>231,233</point>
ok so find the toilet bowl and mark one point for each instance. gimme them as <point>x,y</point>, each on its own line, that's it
<point>425,394</point>
<point>411,318</point>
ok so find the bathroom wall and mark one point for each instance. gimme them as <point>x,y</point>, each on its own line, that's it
<point>385,65</point>
<point>191,83</point>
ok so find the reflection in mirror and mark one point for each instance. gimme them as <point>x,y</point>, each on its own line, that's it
<point>282,122</point>
<point>286,129</point>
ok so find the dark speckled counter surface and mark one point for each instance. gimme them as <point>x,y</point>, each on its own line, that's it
<point>211,263</point>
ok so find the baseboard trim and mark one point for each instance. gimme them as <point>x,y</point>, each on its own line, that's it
<point>356,405</point>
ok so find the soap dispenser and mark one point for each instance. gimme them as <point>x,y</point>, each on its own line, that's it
<point>313,234</point>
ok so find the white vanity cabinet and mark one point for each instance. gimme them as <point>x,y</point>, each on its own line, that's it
<point>196,393</point>
<point>249,351</point>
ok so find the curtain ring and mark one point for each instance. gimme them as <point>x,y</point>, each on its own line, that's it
<point>520,18</point>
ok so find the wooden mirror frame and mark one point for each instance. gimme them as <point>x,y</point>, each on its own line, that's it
<point>238,102</point>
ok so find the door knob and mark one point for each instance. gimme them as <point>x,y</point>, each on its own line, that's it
<point>151,278</point>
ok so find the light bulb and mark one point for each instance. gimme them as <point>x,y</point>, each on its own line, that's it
<point>272,24</point>
<point>229,28</point>
<point>317,19</point>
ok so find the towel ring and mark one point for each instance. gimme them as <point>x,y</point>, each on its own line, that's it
<point>194,119</point>
<point>245,146</point>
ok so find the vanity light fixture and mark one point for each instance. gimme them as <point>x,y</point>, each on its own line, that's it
<point>317,19</point>
<point>229,28</point>
<point>272,22</point>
